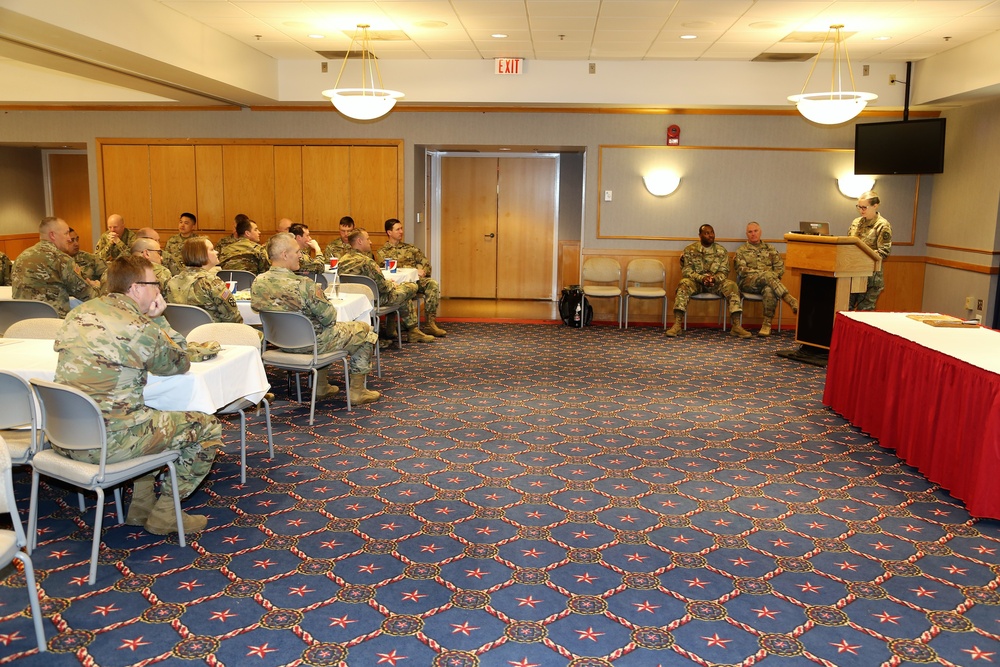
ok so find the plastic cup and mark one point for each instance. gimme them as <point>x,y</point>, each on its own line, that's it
<point>333,262</point>
<point>391,265</point>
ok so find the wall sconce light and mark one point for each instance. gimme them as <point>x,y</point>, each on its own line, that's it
<point>661,183</point>
<point>852,186</point>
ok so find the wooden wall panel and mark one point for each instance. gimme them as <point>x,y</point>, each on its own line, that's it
<point>326,187</point>
<point>374,186</point>
<point>70,184</point>
<point>173,184</point>
<point>248,184</point>
<point>569,264</point>
<point>209,179</point>
<point>288,192</point>
<point>126,184</point>
<point>14,244</point>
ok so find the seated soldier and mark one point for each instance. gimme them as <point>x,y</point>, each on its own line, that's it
<point>410,256</point>
<point>198,286</point>
<point>44,272</point>
<point>150,249</point>
<point>186,229</point>
<point>705,268</point>
<point>281,289</point>
<point>106,348</point>
<point>339,245</point>
<point>91,266</point>
<point>358,262</point>
<point>758,271</point>
<point>311,260</point>
<point>245,254</point>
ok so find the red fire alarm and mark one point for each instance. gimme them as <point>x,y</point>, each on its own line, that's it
<point>674,135</point>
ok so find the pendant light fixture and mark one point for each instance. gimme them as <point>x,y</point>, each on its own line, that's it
<point>366,102</point>
<point>834,106</point>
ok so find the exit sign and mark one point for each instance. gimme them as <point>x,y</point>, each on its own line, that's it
<point>508,65</point>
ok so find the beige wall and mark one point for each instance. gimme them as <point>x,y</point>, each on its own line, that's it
<point>22,190</point>
<point>965,213</point>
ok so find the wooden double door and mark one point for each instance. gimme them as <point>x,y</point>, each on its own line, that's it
<point>498,227</point>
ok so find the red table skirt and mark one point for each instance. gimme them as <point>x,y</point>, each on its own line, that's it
<point>941,415</point>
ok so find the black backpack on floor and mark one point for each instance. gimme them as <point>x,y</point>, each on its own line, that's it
<point>574,308</point>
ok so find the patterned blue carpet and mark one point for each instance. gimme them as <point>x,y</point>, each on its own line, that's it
<point>534,495</point>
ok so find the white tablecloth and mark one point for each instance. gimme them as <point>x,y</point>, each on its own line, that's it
<point>402,275</point>
<point>208,386</point>
<point>349,307</point>
<point>6,292</point>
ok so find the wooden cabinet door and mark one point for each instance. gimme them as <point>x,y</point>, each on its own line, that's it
<point>469,227</point>
<point>126,185</point>
<point>70,184</point>
<point>173,187</point>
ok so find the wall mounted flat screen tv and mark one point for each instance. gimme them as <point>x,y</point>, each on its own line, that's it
<point>899,147</point>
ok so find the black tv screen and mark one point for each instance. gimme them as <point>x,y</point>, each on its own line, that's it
<point>899,147</point>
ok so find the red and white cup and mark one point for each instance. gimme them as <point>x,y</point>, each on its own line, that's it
<point>391,265</point>
<point>333,262</point>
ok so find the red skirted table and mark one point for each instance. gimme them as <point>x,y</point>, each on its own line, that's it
<point>930,393</point>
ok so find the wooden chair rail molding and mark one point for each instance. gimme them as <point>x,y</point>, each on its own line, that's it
<point>904,286</point>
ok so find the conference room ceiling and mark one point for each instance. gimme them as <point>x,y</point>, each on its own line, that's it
<point>265,52</point>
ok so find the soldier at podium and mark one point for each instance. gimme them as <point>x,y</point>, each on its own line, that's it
<point>876,233</point>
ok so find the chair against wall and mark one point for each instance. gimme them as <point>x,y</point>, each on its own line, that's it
<point>706,296</point>
<point>228,333</point>
<point>607,273</point>
<point>646,279</point>
<point>44,328</point>
<point>750,296</point>
<point>12,541</point>
<point>184,318</point>
<point>244,279</point>
<point>294,330</point>
<point>15,310</point>
<point>71,420</point>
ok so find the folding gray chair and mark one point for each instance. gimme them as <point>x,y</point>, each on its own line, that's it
<point>18,422</point>
<point>12,541</point>
<point>228,333</point>
<point>605,271</point>
<point>15,310</point>
<point>291,331</point>
<point>378,310</point>
<point>184,318</point>
<point>44,328</point>
<point>646,279</point>
<point>71,420</point>
<point>750,296</point>
<point>244,279</point>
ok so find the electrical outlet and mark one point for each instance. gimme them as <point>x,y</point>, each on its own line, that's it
<point>324,67</point>
<point>864,70</point>
<point>892,79</point>
<point>607,196</point>
<point>969,302</point>
<point>979,304</point>
<point>593,68</point>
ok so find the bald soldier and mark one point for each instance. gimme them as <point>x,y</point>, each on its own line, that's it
<point>116,241</point>
<point>150,249</point>
<point>107,348</point>
<point>759,268</point>
<point>45,272</point>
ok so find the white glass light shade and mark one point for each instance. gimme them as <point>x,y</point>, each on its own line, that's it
<point>661,183</point>
<point>831,108</point>
<point>852,186</point>
<point>363,103</point>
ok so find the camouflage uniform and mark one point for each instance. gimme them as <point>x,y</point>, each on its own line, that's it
<point>91,266</point>
<point>699,261</point>
<point>5,267</point>
<point>43,272</point>
<point>172,252</point>
<point>280,289</point>
<point>223,242</point>
<point>106,349</point>
<point>245,255</point>
<point>410,256</point>
<point>355,263</point>
<point>108,251</point>
<point>877,235</point>
<point>309,264</point>
<point>759,269</point>
<point>200,287</point>
<point>163,276</point>
<point>336,248</point>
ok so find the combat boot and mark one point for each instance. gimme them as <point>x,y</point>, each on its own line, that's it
<point>163,521</point>
<point>738,329</point>
<point>678,325</point>
<point>418,336</point>
<point>791,301</point>
<point>323,387</point>
<point>143,499</point>
<point>765,327</point>
<point>359,394</point>
<point>433,329</point>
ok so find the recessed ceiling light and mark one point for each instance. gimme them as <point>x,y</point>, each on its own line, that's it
<point>883,38</point>
<point>315,36</point>
<point>499,35</point>
<point>689,36</point>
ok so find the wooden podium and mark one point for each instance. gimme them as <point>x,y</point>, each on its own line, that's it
<point>829,269</point>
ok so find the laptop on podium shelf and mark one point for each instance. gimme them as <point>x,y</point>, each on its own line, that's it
<point>814,228</point>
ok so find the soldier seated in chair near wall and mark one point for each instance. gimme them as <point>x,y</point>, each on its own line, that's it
<point>705,268</point>
<point>759,268</point>
<point>410,256</point>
